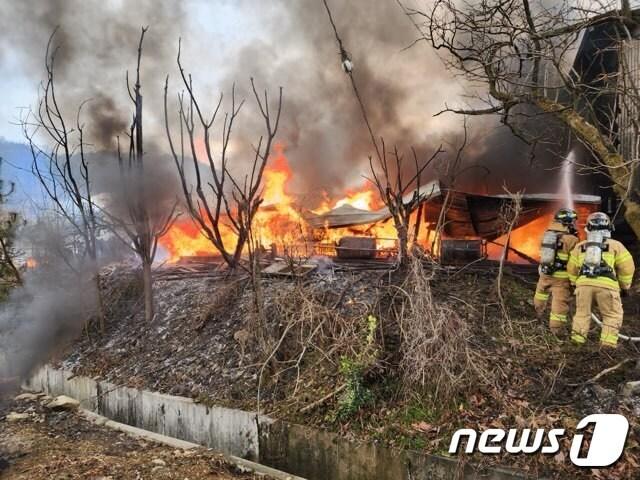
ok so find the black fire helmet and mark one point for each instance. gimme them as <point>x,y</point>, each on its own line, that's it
<point>566,216</point>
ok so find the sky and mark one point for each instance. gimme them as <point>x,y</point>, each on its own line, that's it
<point>286,43</point>
<point>279,43</point>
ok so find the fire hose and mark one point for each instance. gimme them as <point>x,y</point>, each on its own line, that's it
<point>623,337</point>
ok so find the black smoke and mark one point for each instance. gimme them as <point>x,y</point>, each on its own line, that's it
<point>322,127</point>
<point>402,88</point>
<point>95,45</point>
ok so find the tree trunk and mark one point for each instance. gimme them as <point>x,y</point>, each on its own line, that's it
<point>237,254</point>
<point>147,281</point>
<point>403,241</point>
<point>632,215</point>
<point>100,302</point>
<point>416,231</point>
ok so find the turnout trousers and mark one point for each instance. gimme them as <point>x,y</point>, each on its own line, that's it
<point>559,289</point>
<point>610,307</point>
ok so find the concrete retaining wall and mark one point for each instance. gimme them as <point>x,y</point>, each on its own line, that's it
<point>309,453</point>
<point>233,432</point>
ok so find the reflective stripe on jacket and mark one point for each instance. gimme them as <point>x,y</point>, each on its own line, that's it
<point>616,256</point>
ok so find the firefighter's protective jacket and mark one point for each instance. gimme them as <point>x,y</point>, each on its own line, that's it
<point>567,242</point>
<point>615,255</point>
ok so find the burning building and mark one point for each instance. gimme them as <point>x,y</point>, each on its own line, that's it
<point>460,226</point>
<point>453,225</point>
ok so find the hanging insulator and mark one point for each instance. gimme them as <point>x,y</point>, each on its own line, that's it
<point>347,65</point>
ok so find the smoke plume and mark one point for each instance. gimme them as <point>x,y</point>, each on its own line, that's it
<point>402,88</point>
<point>95,46</point>
<point>40,317</point>
<point>292,46</point>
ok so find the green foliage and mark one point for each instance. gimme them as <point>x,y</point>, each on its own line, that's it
<point>417,412</point>
<point>356,394</point>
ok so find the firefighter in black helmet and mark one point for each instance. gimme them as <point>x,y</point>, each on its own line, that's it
<point>557,242</point>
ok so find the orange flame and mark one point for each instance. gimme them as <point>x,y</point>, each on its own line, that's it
<point>525,239</point>
<point>276,222</point>
<point>364,197</point>
<point>279,223</point>
<point>528,238</point>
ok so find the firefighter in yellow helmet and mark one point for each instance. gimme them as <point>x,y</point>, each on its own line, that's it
<point>600,268</point>
<point>557,242</point>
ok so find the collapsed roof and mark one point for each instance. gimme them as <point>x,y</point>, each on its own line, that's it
<point>349,216</point>
<point>466,215</point>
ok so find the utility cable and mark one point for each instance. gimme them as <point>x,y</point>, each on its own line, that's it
<point>347,66</point>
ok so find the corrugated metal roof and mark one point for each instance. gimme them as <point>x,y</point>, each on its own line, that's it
<point>349,216</point>
<point>467,215</point>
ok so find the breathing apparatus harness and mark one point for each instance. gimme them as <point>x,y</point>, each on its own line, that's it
<point>594,265</point>
<point>551,243</point>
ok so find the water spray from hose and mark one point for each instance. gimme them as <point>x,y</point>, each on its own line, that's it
<point>566,187</point>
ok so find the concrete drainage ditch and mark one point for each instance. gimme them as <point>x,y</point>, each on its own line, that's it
<point>298,450</point>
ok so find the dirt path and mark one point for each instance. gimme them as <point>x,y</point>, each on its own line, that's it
<point>63,445</point>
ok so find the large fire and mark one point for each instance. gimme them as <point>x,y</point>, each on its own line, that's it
<point>526,239</point>
<point>273,220</point>
<point>279,222</point>
<point>364,197</point>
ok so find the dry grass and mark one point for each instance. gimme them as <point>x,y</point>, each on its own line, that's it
<point>436,354</point>
<point>220,303</point>
<point>311,325</point>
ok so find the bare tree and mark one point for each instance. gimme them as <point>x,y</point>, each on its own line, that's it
<point>522,54</point>
<point>400,195</point>
<point>508,218</point>
<point>141,227</point>
<point>9,273</point>
<point>227,200</point>
<point>61,167</point>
